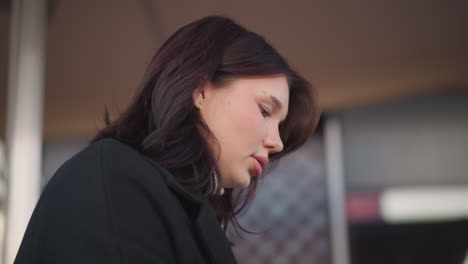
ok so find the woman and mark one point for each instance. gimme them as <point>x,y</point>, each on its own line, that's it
<point>161,183</point>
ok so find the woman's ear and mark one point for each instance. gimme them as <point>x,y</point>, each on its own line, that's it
<point>198,96</point>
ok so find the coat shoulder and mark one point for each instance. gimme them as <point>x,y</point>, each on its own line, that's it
<point>108,158</point>
<point>103,205</point>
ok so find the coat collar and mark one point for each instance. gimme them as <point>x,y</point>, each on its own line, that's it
<point>206,226</point>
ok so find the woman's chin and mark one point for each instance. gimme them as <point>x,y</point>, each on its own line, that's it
<point>244,182</point>
<point>238,182</point>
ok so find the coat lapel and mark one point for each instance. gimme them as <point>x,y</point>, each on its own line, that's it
<point>206,227</point>
<point>213,237</point>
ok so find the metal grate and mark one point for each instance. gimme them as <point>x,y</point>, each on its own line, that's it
<point>291,209</point>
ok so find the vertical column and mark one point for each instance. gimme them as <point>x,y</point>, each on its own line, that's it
<point>336,190</point>
<point>24,117</point>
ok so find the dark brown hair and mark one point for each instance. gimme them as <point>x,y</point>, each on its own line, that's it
<point>162,122</point>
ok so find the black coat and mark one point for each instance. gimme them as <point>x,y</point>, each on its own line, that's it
<point>110,204</point>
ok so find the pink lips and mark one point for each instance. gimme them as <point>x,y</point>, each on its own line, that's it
<point>259,162</point>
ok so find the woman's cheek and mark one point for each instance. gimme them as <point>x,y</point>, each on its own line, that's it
<point>250,124</point>
<point>255,124</point>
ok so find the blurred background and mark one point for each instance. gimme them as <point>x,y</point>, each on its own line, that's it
<point>384,179</point>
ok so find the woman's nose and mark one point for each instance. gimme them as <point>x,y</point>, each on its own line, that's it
<point>273,142</point>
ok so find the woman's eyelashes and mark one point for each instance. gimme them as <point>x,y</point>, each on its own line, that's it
<point>264,111</point>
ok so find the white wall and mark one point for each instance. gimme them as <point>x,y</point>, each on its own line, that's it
<point>416,141</point>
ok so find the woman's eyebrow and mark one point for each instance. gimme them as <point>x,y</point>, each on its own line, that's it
<point>277,105</point>
<point>276,102</point>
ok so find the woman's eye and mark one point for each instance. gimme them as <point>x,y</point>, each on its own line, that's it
<point>264,111</point>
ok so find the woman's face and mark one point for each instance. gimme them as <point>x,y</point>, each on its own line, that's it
<point>244,116</point>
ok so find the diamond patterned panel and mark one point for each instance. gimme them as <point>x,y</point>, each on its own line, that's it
<point>291,207</point>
